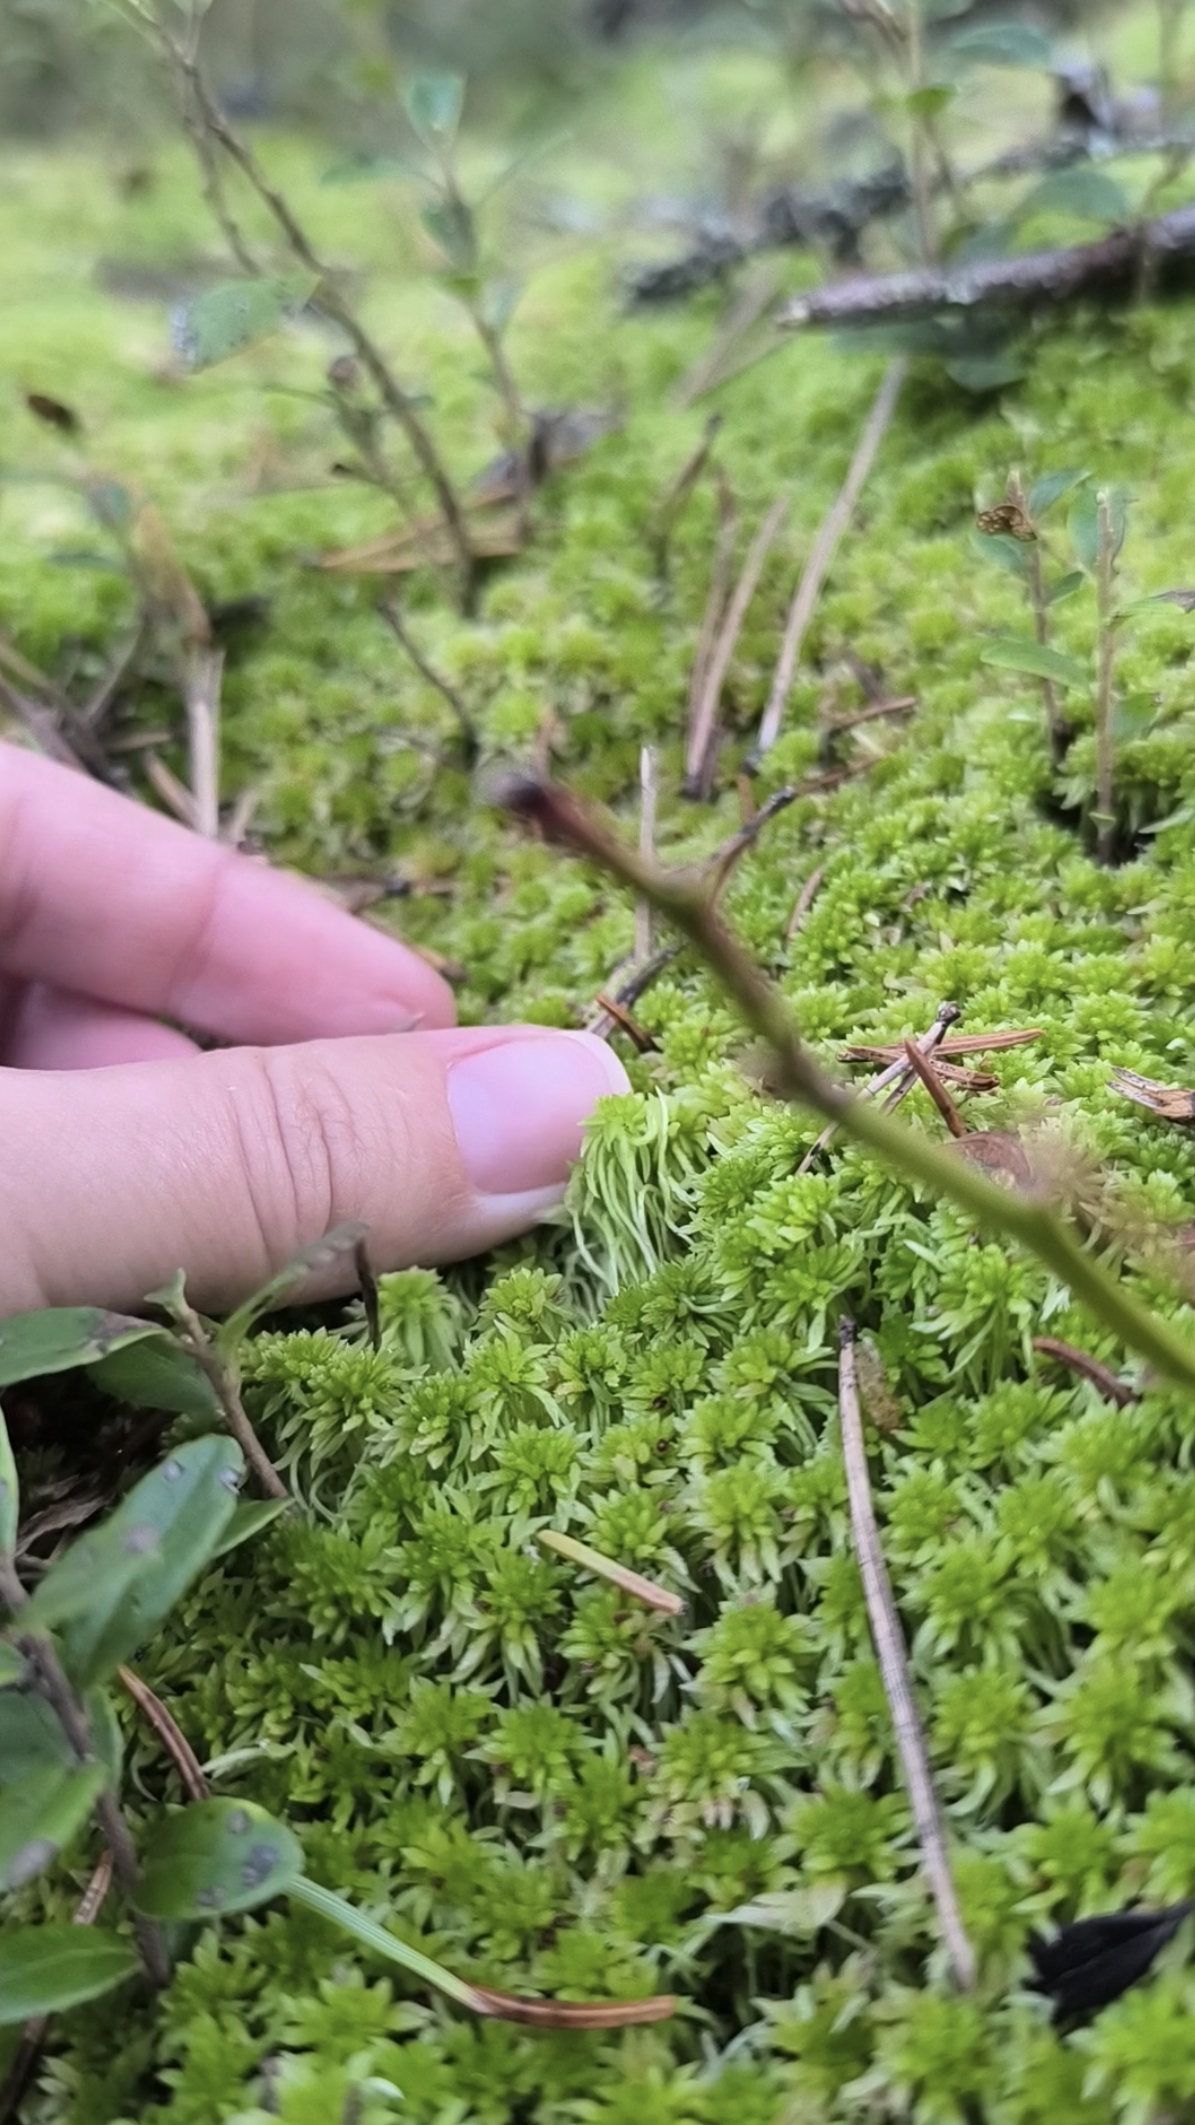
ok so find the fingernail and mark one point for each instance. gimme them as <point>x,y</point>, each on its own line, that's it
<point>519,1108</point>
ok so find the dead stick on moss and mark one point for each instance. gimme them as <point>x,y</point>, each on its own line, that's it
<point>1016,1215</point>
<point>824,548</point>
<point>896,1073</point>
<point>397,402</point>
<point>704,717</point>
<point>893,1661</point>
<point>201,698</point>
<point>390,612</point>
<point>746,311</point>
<point>649,796</point>
<point>719,867</point>
<point>804,901</point>
<point>921,1066</point>
<point>1088,1368</point>
<point>199,1345</point>
<point>175,1743</point>
<point>1105,574</point>
<point>715,604</point>
<point>668,509</point>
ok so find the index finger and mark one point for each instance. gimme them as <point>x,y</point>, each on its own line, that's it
<point>102,896</point>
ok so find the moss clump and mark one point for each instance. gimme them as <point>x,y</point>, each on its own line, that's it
<point>553,1787</point>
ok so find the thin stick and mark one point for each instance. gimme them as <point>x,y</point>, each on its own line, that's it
<point>896,1073</point>
<point>703,719</point>
<point>173,1740</point>
<point>893,1661</point>
<point>1023,1217</point>
<point>668,509</point>
<point>198,1344</point>
<point>804,901</point>
<point>824,549</point>
<point>715,604</point>
<point>746,311</point>
<point>1105,796</point>
<point>240,819</point>
<point>719,866</point>
<point>921,1067</point>
<point>174,795</point>
<point>62,736</point>
<point>1089,1368</point>
<point>619,1575</point>
<point>389,611</point>
<point>201,698</point>
<point>649,794</point>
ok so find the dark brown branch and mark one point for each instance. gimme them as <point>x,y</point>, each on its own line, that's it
<point>1108,272</point>
<point>388,610</point>
<point>1088,1368</point>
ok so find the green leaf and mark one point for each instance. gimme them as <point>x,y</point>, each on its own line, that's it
<point>1088,194</point>
<point>1066,586</point>
<point>1006,552</point>
<point>367,1930</point>
<point>40,1815</point>
<point>449,223</point>
<point>1133,716</point>
<point>46,1968</point>
<point>157,1374</point>
<point>188,1500</point>
<point>433,104</point>
<point>499,301</point>
<point>238,314</point>
<point>32,1741</point>
<point>1005,44</point>
<point>1083,522</point>
<point>1050,489</point>
<point>10,1493</point>
<point>793,1911</point>
<point>61,1337</point>
<point>216,1856</point>
<point>1012,654</point>
<point>363,169</point>
<point>12,1665</point>
<point>930,100</point>
<point>248,1520</point>
<point>343,1239</point>
<point>94,1576</point>
<point>985,372</point>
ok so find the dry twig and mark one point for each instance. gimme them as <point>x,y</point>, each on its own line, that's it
<point>704,703</point>
<point>202,673</point>
<point>893,1661</point>
<point>649,796</point>
<point>175,1743</point>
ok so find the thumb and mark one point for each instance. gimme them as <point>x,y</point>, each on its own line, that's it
<point>225,1164</point>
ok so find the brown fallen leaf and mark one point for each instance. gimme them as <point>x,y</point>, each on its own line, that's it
<point>1171,1103</point>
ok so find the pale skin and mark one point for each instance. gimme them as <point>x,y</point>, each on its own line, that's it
<point>343,1088</point>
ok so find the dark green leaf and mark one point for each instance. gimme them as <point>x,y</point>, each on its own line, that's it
<point>1066,586</point>
<point>1005,44</point>
<point>1088,194</point>
<point>94,1575</point>
<point>433,104</point>
<point>1036,659</point>
<point>362,169</point>
<point>12,1665</point>
<point>157,1374</point>
<point>40,1815</point>
<point>930,100</point>
<point>248,1520</point>
<point>46,1968</point>
<point>10,1493</point>
<point>216,1856</point>
<point>1083,522</point>
<point>985,372</point>
<point>449,223</point>
<point>188,1500</point>
<point>342,1240</point>
<point>1002,549</point>
<point>32,1741</point>
<point>62,1337</point>
<point>1050,489</point>
<point>224,320</point>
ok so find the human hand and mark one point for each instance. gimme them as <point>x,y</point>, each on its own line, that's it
<point>126,1153</point>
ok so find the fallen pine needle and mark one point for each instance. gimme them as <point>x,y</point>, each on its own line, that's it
<point>704,717</point>
<point>1089,1368</point>
<point>173,1740</point>
<point>633,1583</point>
<point>894,1669</point>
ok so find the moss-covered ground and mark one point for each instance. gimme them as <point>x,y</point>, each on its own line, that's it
<point>552,1788</point>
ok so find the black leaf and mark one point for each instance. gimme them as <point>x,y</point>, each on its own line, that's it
<point>1087,1965</point>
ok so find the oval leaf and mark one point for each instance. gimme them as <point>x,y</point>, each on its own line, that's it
<point>1083,522</point>
<point>433,105</point>
<point>10,1493</point>
<point>1088,194</point>
<point>61,1337</point>
<point>248,1520</point>
<point>96,1572</point>
<point>238,314</point>
<point>1037,660</point>
<point>156,1374</point>
<point>46,1968</point>
<point>1050,489</point>
<point>40,1814</point>
<point>216,1856</point>
<point>33,1743</point>
<point>1006,44</point>
<point>188,1500</point>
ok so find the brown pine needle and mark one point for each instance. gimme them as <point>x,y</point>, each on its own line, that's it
<point>620,1575</point>
<point>897,1074</point>
<point>715,604</point>
<point>703,720</point>
<point>649,794</point>
<point>824,549</point>
<point>804,901</point>
<point>643,1040</point>
<point>572,2014</point>
<point>668,510</point>
<point>707,372</point>
<point>175,1743</point>
<point>893,1661</point>
<point>954,1044</point>
<point>1089,1368</point>
<point>921,1067</point>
